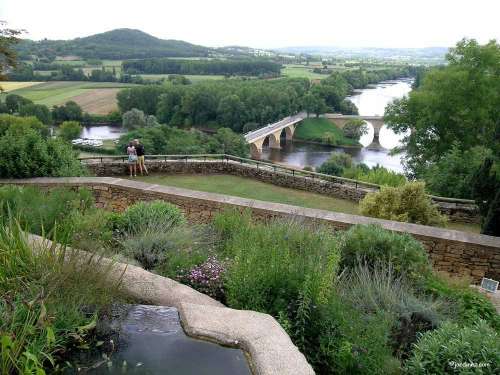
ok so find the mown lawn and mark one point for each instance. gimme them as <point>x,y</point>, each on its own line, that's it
<point>252,189</point>
<point>315,129</point>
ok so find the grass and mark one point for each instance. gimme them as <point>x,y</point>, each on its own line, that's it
<point>252,189</point>
<point>300,71</point>
<point>59,92</point>
<point>316,129</point>
<point>192,78</point>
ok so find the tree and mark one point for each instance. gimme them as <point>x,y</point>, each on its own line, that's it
<point>40,111</point>
<point>491,225</point>
<point>456,103</point>
<point>70,130</point>
<point>485,190</point>
<point>8,57</point>
<point>14,102</point>
<point>354,129</point>
<point>408,203</point>
<point>231,112</point>
<point>225,141</point>
<point>70,111</point>
<point>453,174</point>
<point>133,119</point>
<point>314,104</point>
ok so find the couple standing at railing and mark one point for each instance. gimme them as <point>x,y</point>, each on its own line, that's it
<point>135,152</point>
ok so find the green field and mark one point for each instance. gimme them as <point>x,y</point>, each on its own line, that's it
<point>192,78</point>
<point>301,71</point>
<point>315,129</point>
<point>252,189</point>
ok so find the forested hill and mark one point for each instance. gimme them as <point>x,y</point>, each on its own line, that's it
<point>115,45</point>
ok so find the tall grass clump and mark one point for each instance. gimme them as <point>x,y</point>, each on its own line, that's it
<point>43,290</point>
<point>151,216</point>
<point>43,212</point>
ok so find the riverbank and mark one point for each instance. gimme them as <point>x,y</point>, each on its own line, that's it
<point>322,131</point>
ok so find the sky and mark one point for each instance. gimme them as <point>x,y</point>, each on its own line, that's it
<point>265,23</point>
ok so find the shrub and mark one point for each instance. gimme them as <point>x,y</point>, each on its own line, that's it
<point>283,268</point>
<point>371,245</point>
<point>467,304</point>
<point>336,164</point>
<point>376,175</point>
<point>308,168</point>
<point>26,152</point>
<point>272,262</point>
<point>151,216</point>
<point>452,349</point>
<point>407,203</point>
<point>345,341</point>
<point>377,289</point>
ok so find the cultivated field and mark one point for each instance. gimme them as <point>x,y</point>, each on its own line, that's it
<point>93,97</point>
<point>11,86</point>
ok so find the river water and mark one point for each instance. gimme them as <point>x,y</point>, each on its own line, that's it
<point>370,102</point>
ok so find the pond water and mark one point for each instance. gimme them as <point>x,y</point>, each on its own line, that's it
<point>370,102</point>
<point>102,132</point>
<point>152,341</point>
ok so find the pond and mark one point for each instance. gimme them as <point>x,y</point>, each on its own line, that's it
<point>150,340</point>
<point>370,102</point>
<point>102,132</point>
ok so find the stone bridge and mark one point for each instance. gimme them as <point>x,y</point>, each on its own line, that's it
<point>273,131</point>
<point>340,120</point>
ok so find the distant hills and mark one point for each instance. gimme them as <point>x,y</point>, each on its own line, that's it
<point>429,53</point>
<point>114,45</point>
<point>122,44</point>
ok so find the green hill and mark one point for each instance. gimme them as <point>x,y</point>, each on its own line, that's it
<point>113,45</point>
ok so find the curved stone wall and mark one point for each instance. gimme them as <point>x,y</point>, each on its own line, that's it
<point>456,211</point>
<point>453,252</point>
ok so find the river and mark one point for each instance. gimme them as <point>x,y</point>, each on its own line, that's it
<point>370,102</point>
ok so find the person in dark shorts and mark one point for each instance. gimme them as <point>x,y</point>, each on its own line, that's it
<point>139,147</point>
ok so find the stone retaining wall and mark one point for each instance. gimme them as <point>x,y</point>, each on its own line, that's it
<point>459,212</point>
<point>453,252</point>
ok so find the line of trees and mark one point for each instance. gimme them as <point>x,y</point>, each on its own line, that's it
<point>228,103</point>
<point>253,67</point>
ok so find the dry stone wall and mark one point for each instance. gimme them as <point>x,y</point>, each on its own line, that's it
<point>452,252</point>
<point>459,212</point>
